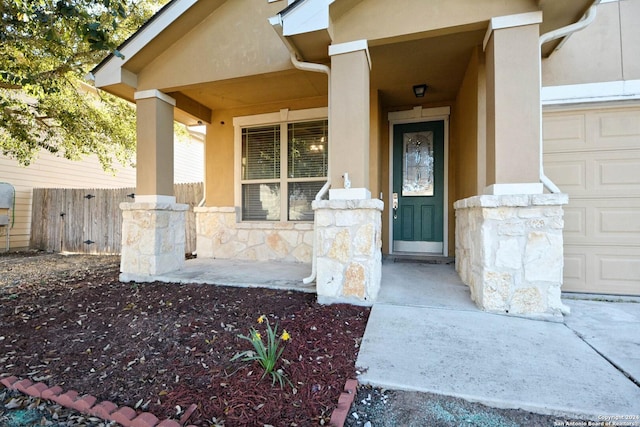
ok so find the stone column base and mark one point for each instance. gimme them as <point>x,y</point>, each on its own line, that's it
<point>509,252</point>
<point>153,240</point>
<point>348,252</point>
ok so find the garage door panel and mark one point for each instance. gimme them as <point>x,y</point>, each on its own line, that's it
<point>617,129</point>
<point>620,172</point>
<point>621,126</point>
<point>604,173</point>
<point>620,220</point>
<point>614,221</point>
<point>575,270</point>
<point>564,132</point>
<point>619,268</point>
<point>591,130</point>
<point>602,269</point>
<point>570,175</point>
<point>602,221</point>
<point>593,154</point>
<point>575,222</point>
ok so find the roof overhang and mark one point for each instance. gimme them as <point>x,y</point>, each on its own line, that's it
<point>118,75</point>
<point>111,70</point>
<point>306,25</point>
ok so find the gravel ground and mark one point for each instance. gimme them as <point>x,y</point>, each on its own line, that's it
<point>375,407</point>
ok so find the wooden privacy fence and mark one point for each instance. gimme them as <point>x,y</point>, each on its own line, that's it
<point>90,221</point>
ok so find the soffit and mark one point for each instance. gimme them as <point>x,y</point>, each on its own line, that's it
<point>440,62</point>
<point>257,90</point>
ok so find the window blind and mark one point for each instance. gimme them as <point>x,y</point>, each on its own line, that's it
<point>264,186</point>
<point>261,152</point>
<point>308,153</point>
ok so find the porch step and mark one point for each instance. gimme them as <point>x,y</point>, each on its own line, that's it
<point>418,258</point>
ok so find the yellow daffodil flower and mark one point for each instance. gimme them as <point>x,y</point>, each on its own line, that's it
<point>262,318</point>
<point>285,336</point>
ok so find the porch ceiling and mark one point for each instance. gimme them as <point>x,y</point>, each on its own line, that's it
<point>439,62</point>
<point>257,90</point>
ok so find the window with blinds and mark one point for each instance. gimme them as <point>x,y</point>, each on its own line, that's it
<point>287,159</point>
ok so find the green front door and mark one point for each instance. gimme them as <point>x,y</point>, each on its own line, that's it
<point>418,187</point>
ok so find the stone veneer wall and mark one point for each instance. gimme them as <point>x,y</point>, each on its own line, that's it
<point>509,251</point>
<point>153,239</point>
<point>220,234</point>
<point>348,253</point>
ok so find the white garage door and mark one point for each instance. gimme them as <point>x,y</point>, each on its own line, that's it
<point>594,156</point>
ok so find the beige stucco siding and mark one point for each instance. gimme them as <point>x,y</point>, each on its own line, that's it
<point>594,156</point>
<point>464,132</point>
<point>236,40</point>
<point>607,50</point>
<point>382,19</point>
<point>630,30</point>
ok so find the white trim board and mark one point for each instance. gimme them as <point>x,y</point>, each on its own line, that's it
<point>621,90</point>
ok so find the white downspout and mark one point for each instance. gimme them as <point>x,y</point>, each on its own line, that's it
<point>276,22</point>
<point>318,68</point>
<point>552,35</point>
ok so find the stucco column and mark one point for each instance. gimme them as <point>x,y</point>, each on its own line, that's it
<point>513,102</point>
<point>153,227</point>
<point>349,118</point>
<point>154,152</point>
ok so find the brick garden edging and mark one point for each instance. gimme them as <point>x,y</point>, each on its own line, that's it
<point>339,415</point>
<point>129,417</point>
<point>86,404</point>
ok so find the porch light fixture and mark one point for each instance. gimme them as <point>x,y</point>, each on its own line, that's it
<point>420,90</point>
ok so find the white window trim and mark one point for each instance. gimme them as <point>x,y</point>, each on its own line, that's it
<point>285,116</point>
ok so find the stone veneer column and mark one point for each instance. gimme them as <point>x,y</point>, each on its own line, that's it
<point>153,240</point>
<point>509,252</point>
<point>348,252</point>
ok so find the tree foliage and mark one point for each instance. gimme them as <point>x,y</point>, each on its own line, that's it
<point>46,49</point>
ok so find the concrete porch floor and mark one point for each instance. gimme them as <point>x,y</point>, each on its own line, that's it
<point>425,334</point>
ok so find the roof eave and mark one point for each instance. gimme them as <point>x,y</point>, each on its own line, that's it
<point>111,70</point>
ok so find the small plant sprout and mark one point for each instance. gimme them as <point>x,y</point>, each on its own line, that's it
<point>267,354</point>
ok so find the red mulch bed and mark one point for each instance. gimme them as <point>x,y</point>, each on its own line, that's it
<point>162,346</point>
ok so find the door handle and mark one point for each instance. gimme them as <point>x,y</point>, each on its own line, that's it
<point>395,205</point>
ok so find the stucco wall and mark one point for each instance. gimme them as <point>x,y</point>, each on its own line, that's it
<point>253,49</point>
<point>464,141</point>
<point>607,50</point>
<point>382,19</point>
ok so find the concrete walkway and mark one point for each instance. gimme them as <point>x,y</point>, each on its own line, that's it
<point>425,334</point>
